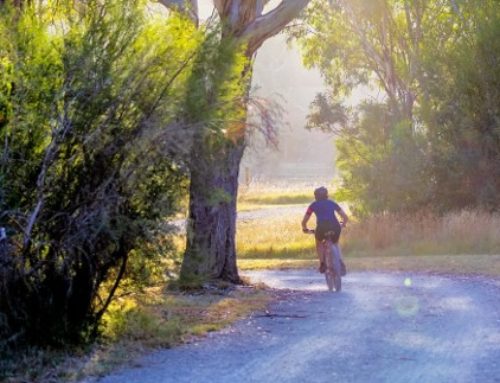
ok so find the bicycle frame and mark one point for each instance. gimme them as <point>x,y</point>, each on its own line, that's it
<point>331,256</point>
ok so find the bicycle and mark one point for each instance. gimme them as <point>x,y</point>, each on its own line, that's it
<point>333,273</point>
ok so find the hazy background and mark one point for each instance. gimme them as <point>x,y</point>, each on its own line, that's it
<point>280,76</point>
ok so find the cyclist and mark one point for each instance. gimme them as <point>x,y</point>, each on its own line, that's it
<point>326,221</point>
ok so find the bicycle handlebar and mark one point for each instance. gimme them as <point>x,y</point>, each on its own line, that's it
<point>312,231</point>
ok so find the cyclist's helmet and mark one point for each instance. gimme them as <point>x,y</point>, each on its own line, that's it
<point>321,193</point>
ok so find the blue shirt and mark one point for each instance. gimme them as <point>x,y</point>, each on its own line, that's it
<point>324,210</point>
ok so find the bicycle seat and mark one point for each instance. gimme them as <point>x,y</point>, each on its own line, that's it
<point>329,234</point>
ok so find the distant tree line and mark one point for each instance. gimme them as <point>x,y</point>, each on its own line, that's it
<point>431,136</point>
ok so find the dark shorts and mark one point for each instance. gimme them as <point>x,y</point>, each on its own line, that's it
<point>325,227</point>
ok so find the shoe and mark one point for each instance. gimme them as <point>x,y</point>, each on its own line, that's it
<point>322,268</point>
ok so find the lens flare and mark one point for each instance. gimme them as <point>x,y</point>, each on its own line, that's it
<point>407,306</point>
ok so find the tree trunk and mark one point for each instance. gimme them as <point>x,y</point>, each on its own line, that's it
<point>211,248</point>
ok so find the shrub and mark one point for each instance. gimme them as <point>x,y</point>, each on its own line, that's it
<point>91,161</point>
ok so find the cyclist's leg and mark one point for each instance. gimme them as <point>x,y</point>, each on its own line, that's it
<point>320,250</point>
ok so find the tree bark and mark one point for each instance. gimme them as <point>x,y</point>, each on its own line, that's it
<point>211,248</point>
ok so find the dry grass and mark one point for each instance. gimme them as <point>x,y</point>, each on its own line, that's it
<point>278,237</point>
<point>466,232</point>
<point>465,242</point>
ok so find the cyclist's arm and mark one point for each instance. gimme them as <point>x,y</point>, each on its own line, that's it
<point>306,219</point>
<point>344,216</point>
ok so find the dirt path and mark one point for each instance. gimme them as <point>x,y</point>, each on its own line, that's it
<point>383,327</point>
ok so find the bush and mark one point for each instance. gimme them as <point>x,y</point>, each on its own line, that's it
<point>91,161</point>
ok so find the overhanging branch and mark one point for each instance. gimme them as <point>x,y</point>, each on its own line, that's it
<point>187,7</point>
<point>272,22</point>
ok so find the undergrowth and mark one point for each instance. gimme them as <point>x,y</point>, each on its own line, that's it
<point>133,324</point>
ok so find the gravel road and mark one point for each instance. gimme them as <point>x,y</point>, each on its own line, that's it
<point>383,327</point>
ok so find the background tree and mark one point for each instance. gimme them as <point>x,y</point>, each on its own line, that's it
<point>464,115</point>
<point>392,150</point>
<point>214,168</point>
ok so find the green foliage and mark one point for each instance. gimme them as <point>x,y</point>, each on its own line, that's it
<point>431,140</point>
<point>92,161</point>
<point>466,116</point>
<point>216,91</point>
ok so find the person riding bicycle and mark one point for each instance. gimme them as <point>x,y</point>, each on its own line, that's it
<point>326,221</point>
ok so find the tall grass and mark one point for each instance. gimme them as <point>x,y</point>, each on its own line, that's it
<point>464,232</point>
<point>274,237</point>
<point>463,242</point>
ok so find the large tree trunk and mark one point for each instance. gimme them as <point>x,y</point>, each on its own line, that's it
<point>211,248</point>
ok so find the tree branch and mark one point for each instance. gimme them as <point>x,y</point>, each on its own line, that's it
<point>271,23</point>
<point>187,7</point>
<point>220,5</point>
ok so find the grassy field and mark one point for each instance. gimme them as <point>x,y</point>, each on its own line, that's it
<point>261,195</point>
<point>462,242</point>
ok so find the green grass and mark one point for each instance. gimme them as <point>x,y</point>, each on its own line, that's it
<point>481,264</point>
<point>262,194</point>
<point>278,199</point>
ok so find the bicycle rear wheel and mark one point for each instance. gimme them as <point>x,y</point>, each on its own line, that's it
<point>337,280</point>
<point>330,280</point>
<point>330,272</point>
<point>337,276</point>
